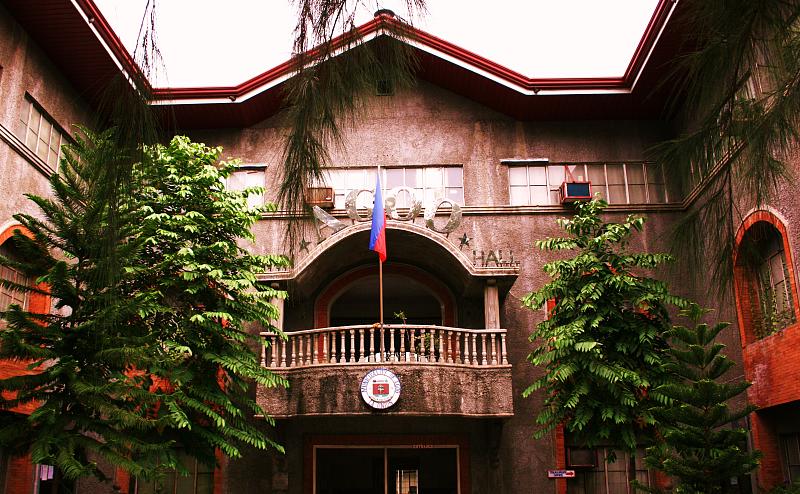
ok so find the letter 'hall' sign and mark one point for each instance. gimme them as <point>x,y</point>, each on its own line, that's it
<point>380,388</point>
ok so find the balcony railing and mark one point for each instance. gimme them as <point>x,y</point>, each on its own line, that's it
<point>391,343</point>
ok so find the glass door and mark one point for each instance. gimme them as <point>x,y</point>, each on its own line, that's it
<point>386,470</point>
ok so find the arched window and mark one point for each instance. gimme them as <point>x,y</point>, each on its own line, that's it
<point>766,294</point>
<point>10,296</point>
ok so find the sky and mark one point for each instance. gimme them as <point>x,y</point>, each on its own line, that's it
<point>215,43</point>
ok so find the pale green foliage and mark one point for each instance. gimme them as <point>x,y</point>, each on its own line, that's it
<point>603,345</point>
<point>158,357</point>
<point>701,449</point>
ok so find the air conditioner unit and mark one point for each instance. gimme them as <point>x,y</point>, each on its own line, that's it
<point>320,196</point>
<point>576,191</point>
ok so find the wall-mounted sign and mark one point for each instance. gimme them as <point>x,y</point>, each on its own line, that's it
<point>416,207</point>
<point>560,474</point>
<point>494,258</point>
<point>380,388</point>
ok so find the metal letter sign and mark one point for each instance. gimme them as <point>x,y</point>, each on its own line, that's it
<point>413,211</point>
<point>380,388</point>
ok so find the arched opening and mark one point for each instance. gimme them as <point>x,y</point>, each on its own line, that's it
<point>406,301</point>
<point>409,293</point>
<point>766,296</point>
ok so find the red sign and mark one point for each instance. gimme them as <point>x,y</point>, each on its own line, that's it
<point>560,474</point>
<point>380,389</point>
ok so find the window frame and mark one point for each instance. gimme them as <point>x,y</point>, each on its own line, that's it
<point>21,279</point>
<point>746,283</point>
<point>367,181</point>
<point>55,129</point>
<point>135,481</point>
<point>585,170</point>
<point>601,468</point>
<point>253,200</point>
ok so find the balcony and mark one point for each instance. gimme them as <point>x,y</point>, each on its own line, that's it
<point>443,371</point>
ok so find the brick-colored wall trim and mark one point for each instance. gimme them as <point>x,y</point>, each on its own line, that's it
<point>765,439</point>
<point>771,363</point>
<point>744,278</point>
<point>560,452</point>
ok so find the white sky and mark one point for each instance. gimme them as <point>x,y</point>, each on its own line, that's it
<point>215,43</point>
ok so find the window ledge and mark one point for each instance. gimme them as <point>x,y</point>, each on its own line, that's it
<point>17,145</point>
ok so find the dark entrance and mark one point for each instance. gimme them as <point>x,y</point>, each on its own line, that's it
<point>388,470</point>
<point>405,301</point>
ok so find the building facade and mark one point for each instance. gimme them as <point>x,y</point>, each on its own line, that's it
<point>473,158</point>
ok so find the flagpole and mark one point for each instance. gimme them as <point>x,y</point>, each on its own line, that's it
<point>380,263</point>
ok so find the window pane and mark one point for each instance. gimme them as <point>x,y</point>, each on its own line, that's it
<point>615,174</point>
<point>403,199</point>
<point>555,174</point>
<point>414,177</point>
<point>539,195</point>
<point>792,449</point>
<point>454,176</point>
<point>433,177</point>
<point>616,194</point>
<point>431,195</point>
<point>578,172</point>
<point>185,484</point>
<point>657,193</point>
<point>394,177</point>
<point>635,173</point>
<point>518,196</point>
<point>517,175</point>
<point>205,483</point>
<point>636,194</point>
<point>369,179</point>
<point>597,174</point>
<point>537,175</point>
<point>455,194</point>
<point>33,130</point>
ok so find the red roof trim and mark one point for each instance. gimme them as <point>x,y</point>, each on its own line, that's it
<point>106,32</point>
<point>467,57</point>
<point>649,38</point>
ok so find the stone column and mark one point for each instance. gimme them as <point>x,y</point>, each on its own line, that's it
<point>278,303</point>
<point>491,305</point>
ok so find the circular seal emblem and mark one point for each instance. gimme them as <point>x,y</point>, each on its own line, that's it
<point>380,388</point>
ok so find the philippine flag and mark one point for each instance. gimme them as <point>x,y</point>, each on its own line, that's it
<point>377,237</point>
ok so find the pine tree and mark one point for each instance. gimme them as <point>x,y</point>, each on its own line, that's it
<point>603,345</point>
<point>701,448</point>
<point>137,364</point>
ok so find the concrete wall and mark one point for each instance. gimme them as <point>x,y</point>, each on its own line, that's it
<point>25,69</point>
<point>429,125</point>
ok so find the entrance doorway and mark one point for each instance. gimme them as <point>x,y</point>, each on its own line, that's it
<point>386,470</point>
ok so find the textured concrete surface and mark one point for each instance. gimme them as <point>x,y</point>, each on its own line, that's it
<point>426,390</point>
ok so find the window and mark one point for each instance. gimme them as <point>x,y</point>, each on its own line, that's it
<point>48,481</point>
<point>41,134</point>
<point>790,450</point>
<point>428,183</point>
<point>767,285</point>
<point>199,481</point>
<point>249,176</point>
<point>595,475</point>
<point>7,295</point>
<point>618,183</point>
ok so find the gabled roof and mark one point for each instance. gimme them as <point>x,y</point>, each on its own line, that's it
<point>85,48</point>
